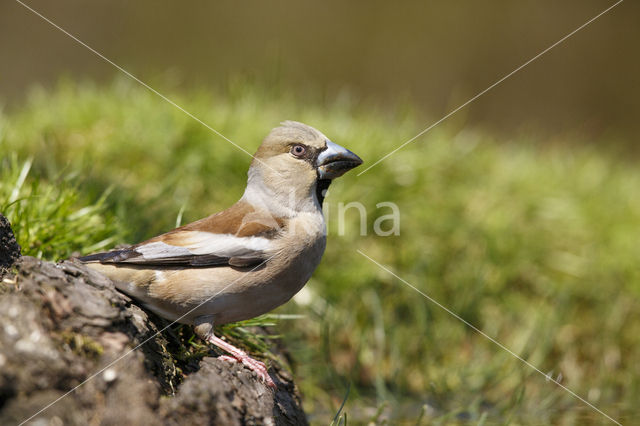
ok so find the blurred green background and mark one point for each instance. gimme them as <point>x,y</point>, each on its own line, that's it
<point>519,213</point>
<point>437,54</point>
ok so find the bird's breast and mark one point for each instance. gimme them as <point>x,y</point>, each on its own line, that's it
<point>295,257</point>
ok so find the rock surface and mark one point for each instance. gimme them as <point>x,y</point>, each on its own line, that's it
<point>9,248</point>
<point>74,350</point>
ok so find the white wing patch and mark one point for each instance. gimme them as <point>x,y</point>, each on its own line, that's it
<point>159,250</point>
<point>201,243</point>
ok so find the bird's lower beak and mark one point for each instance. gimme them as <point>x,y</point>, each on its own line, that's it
<point>335,161</point>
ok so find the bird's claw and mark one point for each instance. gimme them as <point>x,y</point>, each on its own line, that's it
<point>258,367</point>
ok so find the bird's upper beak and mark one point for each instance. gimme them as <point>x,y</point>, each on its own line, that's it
<point>335,161</point>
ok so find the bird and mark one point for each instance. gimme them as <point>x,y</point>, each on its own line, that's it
<point>248,259</point>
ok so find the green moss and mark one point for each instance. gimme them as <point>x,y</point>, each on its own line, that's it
<point>82,345</point>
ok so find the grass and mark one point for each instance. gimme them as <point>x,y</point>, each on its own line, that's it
<point>535,245</point>
<point>51,219</point>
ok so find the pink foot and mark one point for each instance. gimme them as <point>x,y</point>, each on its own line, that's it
<point>253,364</point>
<point>240,356</point>
<point>227,358</point>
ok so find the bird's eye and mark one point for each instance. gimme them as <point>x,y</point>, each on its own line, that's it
<point>298,150</point>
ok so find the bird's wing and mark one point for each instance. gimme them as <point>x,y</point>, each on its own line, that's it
<point>190,248</point>
<point>239,237</point>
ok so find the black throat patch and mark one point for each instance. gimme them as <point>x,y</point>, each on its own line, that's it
<point>321,189</point>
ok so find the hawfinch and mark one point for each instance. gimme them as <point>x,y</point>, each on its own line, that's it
<point>247,259</point>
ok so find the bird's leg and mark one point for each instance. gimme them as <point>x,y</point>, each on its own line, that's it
<point>204,329</point>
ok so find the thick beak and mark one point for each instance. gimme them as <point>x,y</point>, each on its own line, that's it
<point>335,161</point>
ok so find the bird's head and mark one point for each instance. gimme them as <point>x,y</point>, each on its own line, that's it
<point>296,161</point>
